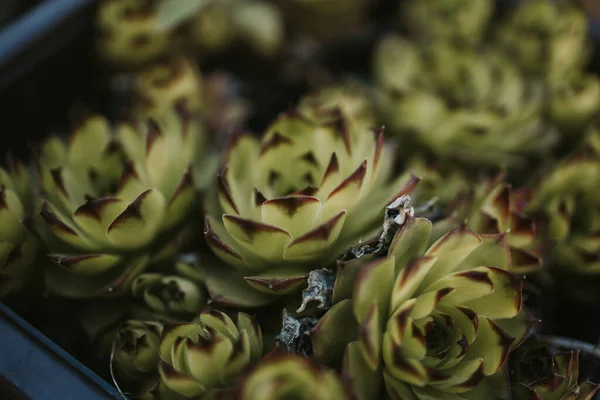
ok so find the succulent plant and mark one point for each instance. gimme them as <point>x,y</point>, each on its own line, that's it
<point>457,105</point>
<point>325,21</point>
<point>129,33</point>
<point>537,374</point>
<point>315,188</point>
<point>163,85</point>
<point>114,202</point>
<point>567,200</point>
<point>221,23</point>
<point>438,182</point>
<point>430,321</point>
<point>18,248</point>
<point>546,37</point>
<point>206,355</point>
<point>133,350</point>
<point>489,208</point>
<point>462,22</point>
<point>282,376</point>
<point>574,104</point>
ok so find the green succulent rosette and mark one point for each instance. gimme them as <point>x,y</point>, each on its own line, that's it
<point>567,200</point>
<point>18,248</point>
<point>489,208</point>
<point>112,202</point>
<point>315,187</point>
<point>282,376</point>
<point>429,321</point>
<point>462,22</point>
<point>537,374</point>
<point>324,21</point>
<point>204,356</point>
<point>546,38</point>
<point>459,105</point>
<point>167,83</point>
<point>129,34</point>
<point>133,346</point>
<point>574,104</point>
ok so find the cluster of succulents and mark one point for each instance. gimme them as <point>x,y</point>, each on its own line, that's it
<point>381,238</point>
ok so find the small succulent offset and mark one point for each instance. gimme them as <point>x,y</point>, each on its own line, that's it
<point>281,376</point>
<point>462,22</point>
<point>537,374</point>
<point>315,187</point>
<point>460,105</point>
<point>18,248</point>
<point>204,356</point>
<point>113,203</point>
<point>133,349</point>
<point>165,84</point>
<point>129,33</point>
<point>430,321</point>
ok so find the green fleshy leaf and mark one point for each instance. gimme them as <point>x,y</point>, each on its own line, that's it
<point>335,330</point>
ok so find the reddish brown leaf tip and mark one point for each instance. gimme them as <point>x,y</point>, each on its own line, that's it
<point>275,141</point>
<point>93,208</point>
<point>290,204</point>
<point>131,212</point>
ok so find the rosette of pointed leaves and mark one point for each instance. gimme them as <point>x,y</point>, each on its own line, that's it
<point>220,23</point>
<point>281,376</point>
<point>546,37</point>
<point>169,295</point>
<point>129,34</point>
<point>435,322</point>
<point>462,22</point>
<point>314,188</point>
<point>170,298</point>
<point>165,84</point>
<point>18,248</point>
<point>201,357</point>
<point>325,20</point>
<point>475,108</point>
<point>568,203</point>
<point>134,348</point>
<point>574,103</point>
<point>104,219</point>
<point>488,208</point>
<point>539,375</point>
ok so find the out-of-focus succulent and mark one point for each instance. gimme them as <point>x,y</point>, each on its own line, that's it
<point>165,84</point>
<point>488,208</point>
<point>170,298</point>
<point>435,322</point>
<point>315,187</point>
<point>103,219</point>
<point>133,346</point>
<point>462,22</point>
<point>324,21</point>
<point>281,376</point>
<point>539,375</point>
<point>352,99</point>
<point>568,201</point>
<point>575,103</point>
<point>459,105</point>
<point>18,248</point>
<point>546,37</point>
<point>220,23</point>
<point>437,182</point>
<point>129,33</point>
<point>206,355</point>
